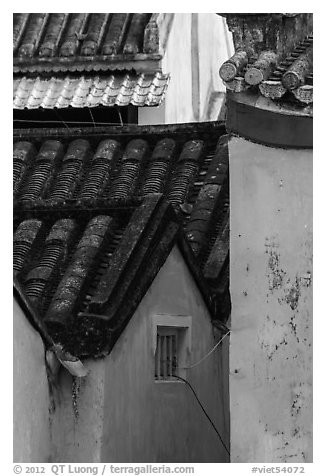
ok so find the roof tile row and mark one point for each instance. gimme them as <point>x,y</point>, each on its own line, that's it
<point>92,222</point>
<point>113,90</point>
<point>114,170</point>
<point>82,206</point>
<point>64,38</point>
<point>275,77</point>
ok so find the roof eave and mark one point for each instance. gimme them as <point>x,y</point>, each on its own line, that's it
<point>141,63</point>
<point>31,314</point>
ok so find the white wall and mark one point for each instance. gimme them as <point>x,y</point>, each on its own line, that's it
<point>215,47</point>
<point>271,294</point>
<point>120,414</point>
<point>30,394</point>
<point>197,45</point>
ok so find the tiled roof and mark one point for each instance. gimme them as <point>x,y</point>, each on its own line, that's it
<point>67,42</point>
<point>98,210</point>
<point>273,56</point>
<point>114,90</point>
<point>290,77</point>
<point>81,272</point>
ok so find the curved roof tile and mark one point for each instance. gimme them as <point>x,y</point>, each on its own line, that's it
<point>96,213</point>
<point>114,90</point>
<point>273,56</point>
<point>274,77</point>
<point>80,41</point>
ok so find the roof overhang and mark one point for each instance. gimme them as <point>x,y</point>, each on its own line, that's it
<point>116,89</point>
<point>142,231</point>
<point>31,313</point>
<point>140,63</point>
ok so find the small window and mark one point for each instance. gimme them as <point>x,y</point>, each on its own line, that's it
<point>171,336</point>
<point>166,355</point>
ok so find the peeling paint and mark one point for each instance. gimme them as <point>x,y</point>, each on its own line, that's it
<point>293,326</point>
<point>274,347</point>
<point>293,294</point>
<point>271,406</point>
<point>275,273</point>
<point>75,389</point>
<point>277,276</point>
<point>296,404</point>
<point>295,432</point>
<point>306,280</point>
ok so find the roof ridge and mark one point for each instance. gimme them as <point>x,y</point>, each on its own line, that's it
<point>273,57</point>
<point>62,42</point>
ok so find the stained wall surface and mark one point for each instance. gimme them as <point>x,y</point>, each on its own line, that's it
<point>271,294</point>
<point>31,402</point>
<point>118,413</point>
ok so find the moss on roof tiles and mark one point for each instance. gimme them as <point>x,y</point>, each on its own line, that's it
<point>85,281</point>
<point>66,41</point>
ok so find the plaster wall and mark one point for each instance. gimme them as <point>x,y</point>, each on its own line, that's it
<point>197,45</point>
<point>271,293</point>
<point>31,400</point>
<point>215,47</point>
<point>118,413</point>
<point>177,61</point>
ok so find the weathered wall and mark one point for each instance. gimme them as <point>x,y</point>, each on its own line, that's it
<point>215,47</point>
<point>120,414</point>
<point>198,44</point>
<point>30,394</point>
<point>271,293</point>
<point>77,424</point>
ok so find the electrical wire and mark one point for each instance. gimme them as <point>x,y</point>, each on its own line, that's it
<point>90,113</point>
<point>208,354</point>
<point>57,114</point>
<point>77,122</point>
<point>203,409</point>
<point>120,117</point>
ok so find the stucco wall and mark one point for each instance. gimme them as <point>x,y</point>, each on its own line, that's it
<point>271,293</point>
<point>197,45</point>
<point>30,394</point>
<point>177,62</point>
<point>215,47</point>
<point>120,414</point>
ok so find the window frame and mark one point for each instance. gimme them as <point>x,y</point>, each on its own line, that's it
<point>180,325</point>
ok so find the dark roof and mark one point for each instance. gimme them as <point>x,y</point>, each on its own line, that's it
<point>83,42</point>
<point>96,213</point>
<point>273,57</point>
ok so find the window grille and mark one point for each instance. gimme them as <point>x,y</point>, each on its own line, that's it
<point>166,356</point>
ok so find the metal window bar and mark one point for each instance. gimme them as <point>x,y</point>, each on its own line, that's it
<point>166,355</point>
